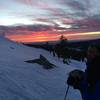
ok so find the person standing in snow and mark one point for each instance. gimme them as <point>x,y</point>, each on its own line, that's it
<point>88,82</point>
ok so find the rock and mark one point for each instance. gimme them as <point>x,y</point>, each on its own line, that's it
<point>42,61</point>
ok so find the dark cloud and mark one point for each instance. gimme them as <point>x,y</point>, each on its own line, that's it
<point>25,29</point>
<point>78,8</point>
<point>57,12</point>
<point>93,21</point>
<point>77,5</point>
<point>89,24</point>
<point>74,12</point>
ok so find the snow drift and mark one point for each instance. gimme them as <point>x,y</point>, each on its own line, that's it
<point>23,81</point>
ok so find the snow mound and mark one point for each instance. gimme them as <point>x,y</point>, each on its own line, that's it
<point>23,81</point>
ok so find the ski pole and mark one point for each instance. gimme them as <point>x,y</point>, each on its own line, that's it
<point>66,93</point>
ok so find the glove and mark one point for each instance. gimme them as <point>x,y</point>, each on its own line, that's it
<point>75,78</point>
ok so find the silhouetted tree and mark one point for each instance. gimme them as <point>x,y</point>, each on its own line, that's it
<point>63,40</point>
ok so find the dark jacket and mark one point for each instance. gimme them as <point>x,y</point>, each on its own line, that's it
<point>91,83</point>
<point>93,71</point>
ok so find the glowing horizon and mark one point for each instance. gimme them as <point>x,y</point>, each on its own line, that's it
<point>45,36</point>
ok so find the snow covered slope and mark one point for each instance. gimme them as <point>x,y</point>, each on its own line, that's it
<point>24,81</point>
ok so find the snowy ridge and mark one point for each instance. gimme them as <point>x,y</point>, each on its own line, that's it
<point>24,81</point>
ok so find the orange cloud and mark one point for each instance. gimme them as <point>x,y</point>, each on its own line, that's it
<point>34,37</point>
<point>52,36</point>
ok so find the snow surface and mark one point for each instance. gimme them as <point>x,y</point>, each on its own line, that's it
<point>23,81</point>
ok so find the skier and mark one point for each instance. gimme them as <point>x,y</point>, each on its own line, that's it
<point>88,82</point>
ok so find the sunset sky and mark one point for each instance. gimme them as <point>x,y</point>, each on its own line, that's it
<point>47,20</point>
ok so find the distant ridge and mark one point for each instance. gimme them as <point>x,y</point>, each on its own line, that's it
<point>70,41</point>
